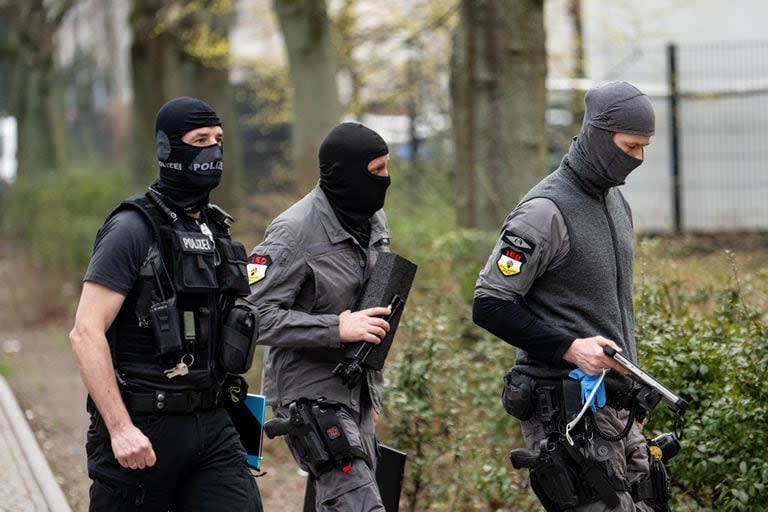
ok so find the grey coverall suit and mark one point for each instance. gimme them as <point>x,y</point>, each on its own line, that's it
<point>305,273</point>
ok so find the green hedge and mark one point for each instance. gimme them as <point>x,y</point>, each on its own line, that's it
<point>54,218</point>
<point>717,360</point>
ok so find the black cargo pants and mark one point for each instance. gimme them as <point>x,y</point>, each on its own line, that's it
<point>201,466</point>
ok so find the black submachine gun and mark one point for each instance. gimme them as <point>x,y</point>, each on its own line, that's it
<point>388,285</point>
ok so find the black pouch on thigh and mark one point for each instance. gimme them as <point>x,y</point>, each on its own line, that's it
<point>232,273</point>
<point>517,396</point>
<point>317,433</point>
<point>552,480</point>
<point>656,489</point>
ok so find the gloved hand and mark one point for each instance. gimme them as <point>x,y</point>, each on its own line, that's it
<point>588,383</point>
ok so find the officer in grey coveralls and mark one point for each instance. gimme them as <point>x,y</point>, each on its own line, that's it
<point>305,276</point>
<point>558,285</point>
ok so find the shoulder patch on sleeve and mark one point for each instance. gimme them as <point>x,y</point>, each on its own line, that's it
<point>518,242</point>
<point>257,267</point>
<point>510,261</point>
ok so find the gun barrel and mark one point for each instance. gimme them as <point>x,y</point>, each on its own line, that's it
<point>670,399</point>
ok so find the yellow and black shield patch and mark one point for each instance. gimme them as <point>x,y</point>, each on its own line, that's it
<point>510,262</point>
<point>257,267</point>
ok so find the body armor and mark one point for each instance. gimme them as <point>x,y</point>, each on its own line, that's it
<point>188,282</point>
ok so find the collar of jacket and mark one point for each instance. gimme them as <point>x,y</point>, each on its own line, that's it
<point>336,233</point>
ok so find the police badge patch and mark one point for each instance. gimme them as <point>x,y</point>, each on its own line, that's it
<point>257,267</point>
<point>510,261</point>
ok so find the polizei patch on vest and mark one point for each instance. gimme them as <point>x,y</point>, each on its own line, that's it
<point>257,267</point>
<point>195,243</point>
<point>517,242</point>
<point>510,261</point>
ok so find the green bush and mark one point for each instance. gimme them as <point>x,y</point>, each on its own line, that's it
<point>444,375</point>
<point>718,361</point>
<point>443,409</point>
<point>54,217</point>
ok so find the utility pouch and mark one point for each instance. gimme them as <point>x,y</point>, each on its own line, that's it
<point>238,340</point>
<point>164,321</point>
<point>332,432</point>
<point>571,405</point>
<point>656,489</point>
<point>551,481</point>
<point>232,273</point>
<point>194,265</point>
<point>517,396</point>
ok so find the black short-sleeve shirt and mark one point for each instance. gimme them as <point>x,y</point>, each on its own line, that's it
<point>119,251</point>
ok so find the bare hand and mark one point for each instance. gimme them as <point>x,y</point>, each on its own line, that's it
<point>588,355</point>
<point>132,448</point>
<point>363,325</point>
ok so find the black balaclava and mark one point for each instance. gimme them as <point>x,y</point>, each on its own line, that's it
<point>354,193</point>
<point>613,107</point>
<point>187,173</point>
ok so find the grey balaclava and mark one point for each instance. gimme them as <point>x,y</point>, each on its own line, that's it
<point>612,107</point>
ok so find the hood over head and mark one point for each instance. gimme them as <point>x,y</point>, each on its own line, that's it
<point>613,107</point>
<point>354,193</point>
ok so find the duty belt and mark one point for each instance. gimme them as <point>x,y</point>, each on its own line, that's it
<point>171,402</point>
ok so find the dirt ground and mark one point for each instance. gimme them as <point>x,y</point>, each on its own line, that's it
<point>36,312</point>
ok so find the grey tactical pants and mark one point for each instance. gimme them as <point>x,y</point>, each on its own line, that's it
<point>355,491</point>
<point>627,458</point>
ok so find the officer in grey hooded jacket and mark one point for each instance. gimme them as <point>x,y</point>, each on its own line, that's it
<point>558,284</point>
<point>305,276</point>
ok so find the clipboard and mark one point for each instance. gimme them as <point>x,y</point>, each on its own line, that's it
<point>248,418</point>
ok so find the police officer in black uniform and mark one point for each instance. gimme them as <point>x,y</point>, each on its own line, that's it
<point>150,335</point>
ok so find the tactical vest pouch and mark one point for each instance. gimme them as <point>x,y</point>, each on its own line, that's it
<point>232,273</point>
<point>238,340</point>
<point>164,321</point>
<point>194,265</point>
<point>517,396</point>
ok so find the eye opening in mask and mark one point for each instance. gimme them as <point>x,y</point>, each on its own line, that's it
<point>203,137</point>
<point>379,166</point>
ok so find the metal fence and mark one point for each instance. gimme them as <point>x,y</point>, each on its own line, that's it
<point>711,105</point>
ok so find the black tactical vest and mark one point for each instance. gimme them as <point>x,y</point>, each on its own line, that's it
<point>204,273</point>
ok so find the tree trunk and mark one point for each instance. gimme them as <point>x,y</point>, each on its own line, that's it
<point>498,89</point>
<point>312,60</point>
<point>37,100</point>
<point>579,66</point>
